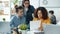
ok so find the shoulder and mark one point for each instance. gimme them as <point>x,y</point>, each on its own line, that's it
<point>54,16</point>
<point>48,20</point>
<point>31,6</point>
<point>35,19</point>
<point>12,18</point>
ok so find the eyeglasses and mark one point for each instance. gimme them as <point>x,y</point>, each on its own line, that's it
<point>26,3</point>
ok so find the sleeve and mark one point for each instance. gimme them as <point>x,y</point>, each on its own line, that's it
<point>12,22</point>
<point>24,20</point>
<point>48,21</point>
<point>33,9</point>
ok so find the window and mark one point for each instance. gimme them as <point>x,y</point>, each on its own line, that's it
<point>5,10</point>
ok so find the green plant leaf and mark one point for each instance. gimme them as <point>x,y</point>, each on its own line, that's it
<point>23,27</point>
<point>15,1</point>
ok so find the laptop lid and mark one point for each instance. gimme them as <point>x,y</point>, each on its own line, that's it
<point>51,29</point>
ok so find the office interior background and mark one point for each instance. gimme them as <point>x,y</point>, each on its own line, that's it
<point>7,9</point>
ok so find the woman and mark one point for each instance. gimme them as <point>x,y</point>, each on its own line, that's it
<point>28,11</point>
<point>42,15</point>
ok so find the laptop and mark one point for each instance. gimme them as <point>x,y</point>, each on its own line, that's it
<point>51,29</point>
<point>34,25</point>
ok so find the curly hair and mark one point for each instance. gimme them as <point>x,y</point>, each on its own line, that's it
<point>43,11</point>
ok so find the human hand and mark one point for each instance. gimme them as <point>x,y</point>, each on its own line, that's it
<point>14,28</point>
<point>40,28</point>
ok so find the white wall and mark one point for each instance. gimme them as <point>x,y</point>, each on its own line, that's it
<point>50,3</point>
<point>35,3</point>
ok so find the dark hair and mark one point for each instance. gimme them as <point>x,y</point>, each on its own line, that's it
<point>24,2</point>
<point>16,6</point>
<point>51,11</point>
<point>35,13</point>
<point>20,7</point>
<point>44,12</point>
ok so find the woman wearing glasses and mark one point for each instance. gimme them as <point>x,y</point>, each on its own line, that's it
<point>28,11</point>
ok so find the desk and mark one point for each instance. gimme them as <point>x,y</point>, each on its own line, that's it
<point>35,32</point>
<point>32,32</point>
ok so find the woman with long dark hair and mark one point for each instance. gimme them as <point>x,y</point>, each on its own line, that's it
<point>28,11</point>
<point>42,15</point>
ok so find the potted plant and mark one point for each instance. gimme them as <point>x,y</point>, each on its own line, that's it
<point>23,28</point>
<point>15,2</point>
<point>4,19</point>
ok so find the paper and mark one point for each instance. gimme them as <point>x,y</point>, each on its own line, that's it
<point>34,25</point>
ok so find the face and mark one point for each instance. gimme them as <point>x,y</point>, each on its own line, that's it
<point>39,14</point>
<point>26,4</point>
<point>50,14</point>
<point>20,12</point>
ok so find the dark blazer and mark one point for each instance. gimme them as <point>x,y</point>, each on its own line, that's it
<point>29,14</point>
